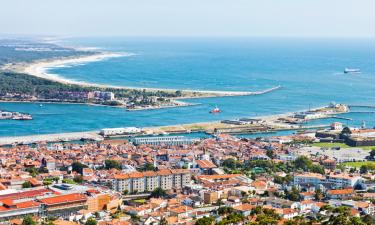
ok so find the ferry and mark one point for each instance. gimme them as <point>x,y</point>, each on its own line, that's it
<point>215,110</point>
<point>22,117</point>
<point>351,70</point>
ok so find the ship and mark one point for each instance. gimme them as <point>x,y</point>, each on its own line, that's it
<point>215,110</point>
<point>351,70</point>
<point>22,117</point>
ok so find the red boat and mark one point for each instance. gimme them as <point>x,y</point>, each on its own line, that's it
<point>215,110</point>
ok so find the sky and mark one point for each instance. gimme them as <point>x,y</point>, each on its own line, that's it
<point>219,18</point>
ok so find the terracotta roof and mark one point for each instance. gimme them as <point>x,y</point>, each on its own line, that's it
<point>244,207</point>
<point>341,191</point>
<point>26,194</point>
<point>63,199</point>
<point>205,164</point>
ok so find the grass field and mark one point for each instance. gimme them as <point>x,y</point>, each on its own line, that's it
<point>330,145</point>
<point>342,145</point>
<point>359,164</point>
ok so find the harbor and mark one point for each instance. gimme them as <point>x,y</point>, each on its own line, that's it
<point>258,125</point>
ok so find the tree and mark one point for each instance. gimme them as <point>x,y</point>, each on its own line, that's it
<point>158,193</point>
<point>28,220</point>
<point>148,167</point>
<point>319,195</point>
<point>270,153</point>
<point>293,194</point>
<point>363,169</point>
<point>110,164</point>
<point>78,167</point>
<point>91,221</point>
<point>26,184</point>
<point>204,221</point>
<point>372,153</point>
<point>302,162</point>
<point>346,131</point>
<point>225,210</point>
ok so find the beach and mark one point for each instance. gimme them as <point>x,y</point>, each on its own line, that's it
<point>40,69</point>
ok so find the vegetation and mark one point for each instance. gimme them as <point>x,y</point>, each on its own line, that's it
<point>112,164</point>
<point>148,167</point>
<point>370,164</point>
<point>23,87</point>
<point>78,167</point>
<point>91,221</point>
<point>204,221</point>
<point>330,145</point>
<point>28,220</point>
<point>158,193</point>
<point>26,184</point>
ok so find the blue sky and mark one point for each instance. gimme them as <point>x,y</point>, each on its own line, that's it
<point>274,18</point>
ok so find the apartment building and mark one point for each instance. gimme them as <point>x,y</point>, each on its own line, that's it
<point>335,180</point>
<point>150,180</point>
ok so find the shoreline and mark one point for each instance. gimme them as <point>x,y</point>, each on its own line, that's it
<point>40,69</point>
<point>270,120</point>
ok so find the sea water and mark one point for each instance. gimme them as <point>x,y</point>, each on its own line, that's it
<point>310,72</point>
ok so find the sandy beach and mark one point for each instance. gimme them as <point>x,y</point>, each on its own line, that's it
<point>40,69</point>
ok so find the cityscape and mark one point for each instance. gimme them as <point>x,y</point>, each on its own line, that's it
<point>211,112</point>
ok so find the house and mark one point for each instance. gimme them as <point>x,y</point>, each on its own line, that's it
<point>340,193</point>
<point>193,201</point>
<point>244,209</point>
<point>205,166</point>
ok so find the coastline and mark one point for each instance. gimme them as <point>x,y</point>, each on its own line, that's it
<point>269,120</point>
<point>40,69</point>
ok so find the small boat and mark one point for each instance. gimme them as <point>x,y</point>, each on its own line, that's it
<point>215,110</point>
<point>40,105</point>
<point>351,70</point>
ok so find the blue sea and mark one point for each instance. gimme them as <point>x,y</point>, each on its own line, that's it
<point>310,72</point>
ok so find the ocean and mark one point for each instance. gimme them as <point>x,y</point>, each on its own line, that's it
<point>310,72</point>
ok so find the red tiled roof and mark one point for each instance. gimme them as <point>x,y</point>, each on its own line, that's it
<point>26,194</point>
<point>63,199</point>
<point>205,164</point>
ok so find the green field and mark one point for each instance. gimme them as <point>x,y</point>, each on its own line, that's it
<point>359,164</point>
<point>330,145</point>
<point>342,145</point>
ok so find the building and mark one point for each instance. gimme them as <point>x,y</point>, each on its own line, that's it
<point>10,208</point>
<point>120,131</point>
<point>166,179</point>
<point>102,95</point>
<point>63,205</point>
<point>308,179</point>
<point>166,140</point>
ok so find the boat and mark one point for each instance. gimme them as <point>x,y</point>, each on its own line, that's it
<point>22,117</point>
<point>351,70</point>
<point>215,110</point>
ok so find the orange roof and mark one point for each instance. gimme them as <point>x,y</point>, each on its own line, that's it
<point>63,199</point>
<point>341,191</point>
<point>216,177</point>
<point>244,207</point>
<point>205,164</point>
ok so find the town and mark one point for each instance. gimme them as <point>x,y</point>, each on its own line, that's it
<point>297,179</point>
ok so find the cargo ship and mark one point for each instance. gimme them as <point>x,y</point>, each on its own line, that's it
<point>350,70</point>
